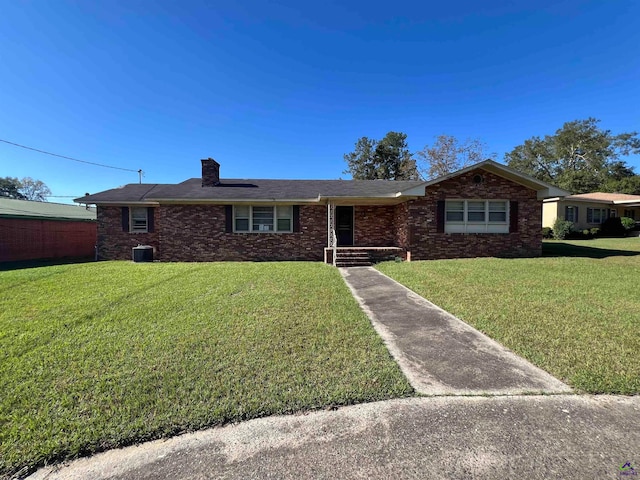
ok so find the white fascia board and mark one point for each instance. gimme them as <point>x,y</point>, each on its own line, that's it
<point>588,200</point>
<point>390,199</point>
<point>627,202</point>
<point>551,192</point>
<point>227,201</point>
<point>121,203</point>
<point>418,191</point>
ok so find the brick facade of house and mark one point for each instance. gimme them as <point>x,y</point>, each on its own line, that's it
<point>374,226</point>
<point>116,244</point>
<point>198,232</point>
<point>188,233</point>
<point>425,243</point>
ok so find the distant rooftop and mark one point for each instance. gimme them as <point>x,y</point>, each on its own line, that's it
<point>605,197</point>
<point>12,208</point>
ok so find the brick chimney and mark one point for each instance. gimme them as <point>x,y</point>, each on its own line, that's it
<point>210,172</point>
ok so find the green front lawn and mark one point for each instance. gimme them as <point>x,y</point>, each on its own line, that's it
<point>575,312</point>
<point>100,355</point>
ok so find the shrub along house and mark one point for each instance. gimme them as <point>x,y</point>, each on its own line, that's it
<point>483,210</point>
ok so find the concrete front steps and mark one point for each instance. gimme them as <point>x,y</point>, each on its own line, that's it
<point>350,258</point>
<point>362,256</point>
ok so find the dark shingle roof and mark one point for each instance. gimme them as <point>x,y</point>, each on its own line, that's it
<point>249,189</point>
<point>231,190</point>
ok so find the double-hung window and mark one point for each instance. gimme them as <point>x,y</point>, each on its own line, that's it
<point>139,221</point>
<point>284,218</point>
<point>596,215</point>
<point>571,213</point>
<point>262,219</point>
<point>476,216</point>
<point>254,218</point>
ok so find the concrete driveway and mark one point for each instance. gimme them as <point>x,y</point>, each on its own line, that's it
<point>440,354</point>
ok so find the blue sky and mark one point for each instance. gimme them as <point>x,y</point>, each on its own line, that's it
<point>284,89</point>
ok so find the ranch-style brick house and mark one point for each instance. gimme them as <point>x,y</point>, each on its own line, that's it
<point>487,209</point>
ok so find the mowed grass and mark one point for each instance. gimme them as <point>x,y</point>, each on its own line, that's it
<point>575,312</point>
<point>100,355</point>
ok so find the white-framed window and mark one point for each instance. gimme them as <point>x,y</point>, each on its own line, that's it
<point>596,215</point>
<point>476,216</point>
<point>258,218</point>
<point>138,220</point>
<point>571,213</point>
<point>284,218</point>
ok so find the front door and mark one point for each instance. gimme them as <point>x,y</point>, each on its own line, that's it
<point>344,226</point>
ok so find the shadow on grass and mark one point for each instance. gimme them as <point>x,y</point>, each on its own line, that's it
<point>5,266</point>
<point>568,250</point>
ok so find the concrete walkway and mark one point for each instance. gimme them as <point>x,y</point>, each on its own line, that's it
<point>440,354</point>
<point>532,437</point>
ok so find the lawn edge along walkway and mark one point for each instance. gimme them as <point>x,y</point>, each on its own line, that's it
<point>439,353</point>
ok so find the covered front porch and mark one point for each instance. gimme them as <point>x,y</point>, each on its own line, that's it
<point>363,234</point>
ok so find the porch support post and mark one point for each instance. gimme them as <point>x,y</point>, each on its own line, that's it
<point>331,231</point>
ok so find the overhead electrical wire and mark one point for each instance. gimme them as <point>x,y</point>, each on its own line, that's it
<point>71,158</point>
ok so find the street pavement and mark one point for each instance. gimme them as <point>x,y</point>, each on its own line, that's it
<point>499,437</point>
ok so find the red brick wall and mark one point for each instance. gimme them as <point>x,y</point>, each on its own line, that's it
<point>401,225</point>
<point>197,233</point>
<point>374,226</point>
<point>30,239</point>
<point>116,244</point>
<point>425,243</point>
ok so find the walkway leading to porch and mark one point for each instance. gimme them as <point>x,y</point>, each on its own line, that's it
<point>361,256</point>
<point>439,353</point>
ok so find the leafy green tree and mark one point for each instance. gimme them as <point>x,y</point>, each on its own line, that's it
<point>580,157</point>
<point>25,189</point>
<point>388,159</point>
<point>628,185</point>
<point>10,187</point>
<point>361,161</point>
<point>447,154</point>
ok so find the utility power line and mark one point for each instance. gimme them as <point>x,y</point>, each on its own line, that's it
<point>139,172</point>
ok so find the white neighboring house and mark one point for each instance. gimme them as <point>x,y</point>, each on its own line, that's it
<point>589,210</point>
